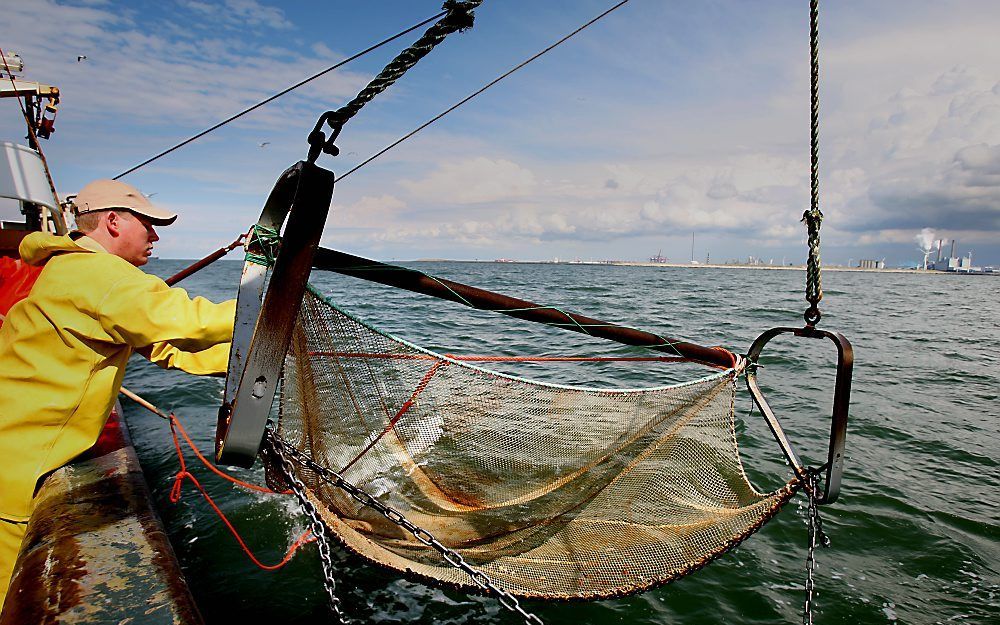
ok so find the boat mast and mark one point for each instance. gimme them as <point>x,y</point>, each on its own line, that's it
<point>39,107</point>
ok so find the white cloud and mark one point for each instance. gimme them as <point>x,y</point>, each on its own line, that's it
<point>148,73</point>
<point>931,159</point>
<point>239,13</point>
<point>474,180</point>
<point>557,202</point>
<point>368,212</point>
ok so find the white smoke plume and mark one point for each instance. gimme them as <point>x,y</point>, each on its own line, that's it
<point>925,240</point>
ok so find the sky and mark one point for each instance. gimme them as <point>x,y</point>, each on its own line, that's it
<point>665,121</point>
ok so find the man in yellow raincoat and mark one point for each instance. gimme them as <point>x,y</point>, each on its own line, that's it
<point>63,348</point>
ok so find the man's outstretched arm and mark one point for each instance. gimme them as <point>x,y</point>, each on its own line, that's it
<point>141,310</point>
<point>211,361</point>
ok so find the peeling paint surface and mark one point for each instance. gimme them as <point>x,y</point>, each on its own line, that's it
<point>95,551</point>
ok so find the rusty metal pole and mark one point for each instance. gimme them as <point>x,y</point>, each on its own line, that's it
<point>204,262</point>
<point>481,299</point>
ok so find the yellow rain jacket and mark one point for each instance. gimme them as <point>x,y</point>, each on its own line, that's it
<point>63,351</point>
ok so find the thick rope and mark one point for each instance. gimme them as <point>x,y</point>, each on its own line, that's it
<point>482,89</point>
<point>813,218</point>
<point>459,17</point>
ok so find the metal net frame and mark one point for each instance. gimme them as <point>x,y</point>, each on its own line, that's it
<point>554,491</point>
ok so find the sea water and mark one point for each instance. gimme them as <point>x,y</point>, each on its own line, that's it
<point>915,534</point>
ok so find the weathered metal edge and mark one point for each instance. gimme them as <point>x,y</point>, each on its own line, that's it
<point>96,551</point>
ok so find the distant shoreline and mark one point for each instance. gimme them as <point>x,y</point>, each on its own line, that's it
<point>624,263</point>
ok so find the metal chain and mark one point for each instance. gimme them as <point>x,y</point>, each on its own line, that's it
<point>315,524</point>
<point>813,217</point>
<point>287,452</point>
<point>815,533</point>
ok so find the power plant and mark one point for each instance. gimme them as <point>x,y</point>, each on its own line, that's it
<point>951,262</point>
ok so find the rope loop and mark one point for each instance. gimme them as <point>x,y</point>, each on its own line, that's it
<point>812,315</point>
<point>183,474</point>
<point>178,485</point>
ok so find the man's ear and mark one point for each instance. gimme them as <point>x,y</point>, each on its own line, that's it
<point>113,222</point>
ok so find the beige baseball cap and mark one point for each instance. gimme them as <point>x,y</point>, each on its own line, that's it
<point>102,195</point>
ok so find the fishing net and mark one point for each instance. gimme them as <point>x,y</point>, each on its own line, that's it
<point>553,491</point>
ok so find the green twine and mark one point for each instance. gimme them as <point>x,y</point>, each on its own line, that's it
<point>262,245</point>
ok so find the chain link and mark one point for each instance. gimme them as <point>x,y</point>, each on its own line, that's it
<point>287,453</point>
<point>815,533</point>
<point>315,524</point>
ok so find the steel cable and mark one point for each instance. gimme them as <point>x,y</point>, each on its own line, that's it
<point>281,93</point>
<point>479,91</point>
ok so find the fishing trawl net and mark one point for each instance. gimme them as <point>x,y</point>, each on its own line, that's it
<point>553,491</point>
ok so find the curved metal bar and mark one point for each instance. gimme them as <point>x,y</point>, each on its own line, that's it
<point>841,403</point>
<point>263,330</point>
<point>248,299</point>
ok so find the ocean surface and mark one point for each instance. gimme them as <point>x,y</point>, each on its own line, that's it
<point>916,532</point>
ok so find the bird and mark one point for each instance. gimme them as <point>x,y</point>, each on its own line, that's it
<point>264,144</point>
<point>81,57</point>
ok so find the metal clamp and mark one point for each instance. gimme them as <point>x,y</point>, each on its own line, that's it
<point>262,331</point>
<point>841,404</point>
<point>318,142</point>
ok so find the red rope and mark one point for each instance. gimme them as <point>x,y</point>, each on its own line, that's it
<point>174,421</point>
<point>402,410</point>
<point>183,473</point>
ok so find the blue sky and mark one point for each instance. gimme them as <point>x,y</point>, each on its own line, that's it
<point>663,120</point>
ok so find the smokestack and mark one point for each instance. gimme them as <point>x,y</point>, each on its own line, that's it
<point>940,245</point>
<point>952,255</point>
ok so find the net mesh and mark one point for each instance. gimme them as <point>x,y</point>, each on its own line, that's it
<point>553,491</point>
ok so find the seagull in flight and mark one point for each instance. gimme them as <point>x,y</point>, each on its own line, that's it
<point>81,57</point>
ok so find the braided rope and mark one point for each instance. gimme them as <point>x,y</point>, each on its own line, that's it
<point>813,217</point>
<point>459,18</point>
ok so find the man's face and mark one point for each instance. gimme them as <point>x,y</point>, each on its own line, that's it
<point>136,238</point>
